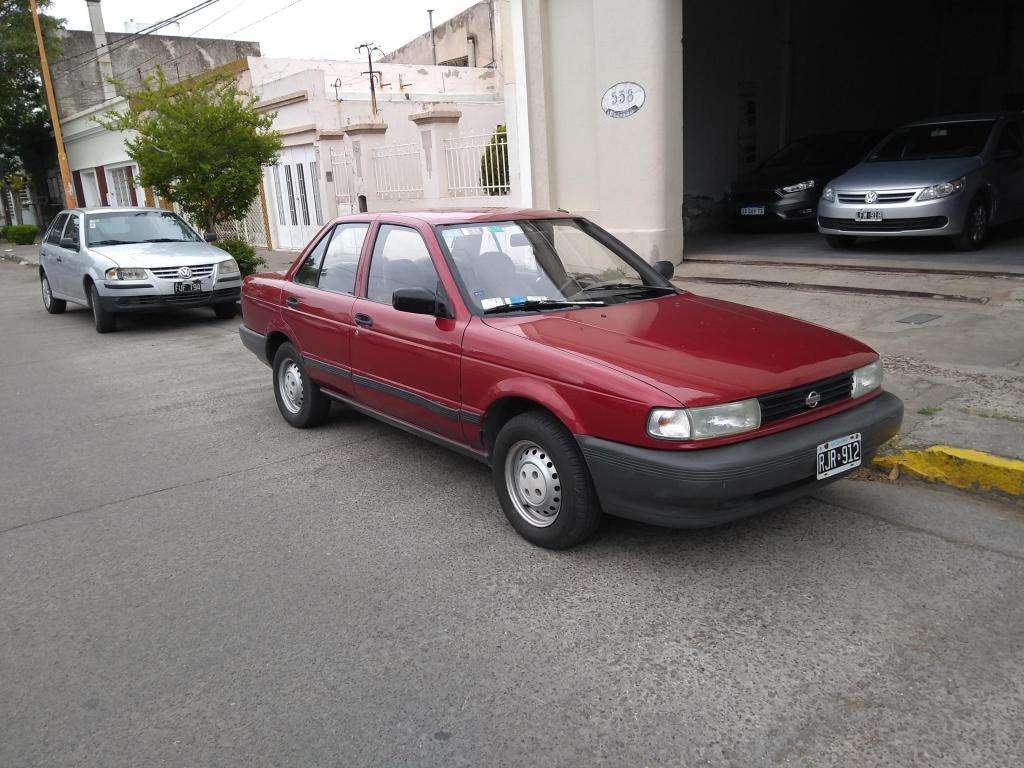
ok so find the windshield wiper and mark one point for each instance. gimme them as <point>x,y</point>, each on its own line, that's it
<point>166,240</point>
<point>627,287</point>
<point>541,304</point>
<point>111,242</point>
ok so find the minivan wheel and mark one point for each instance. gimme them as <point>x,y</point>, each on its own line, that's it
<point>104,320</point>
<point>841,242</point>
<point>972,236</point>
<point>300,401</point>
<point>52,305</point>
<point>542,482</point>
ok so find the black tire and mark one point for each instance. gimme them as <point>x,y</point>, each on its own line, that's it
<point>314,405</point>
<point>50,304</point>
<point>225,310</point>
<point>841,242</point>
<point>975,230</point>
<point>579,512</point>
<point>105,321</point>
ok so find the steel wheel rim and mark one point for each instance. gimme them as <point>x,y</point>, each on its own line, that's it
<point>289,384</point>
<point>47,296</point>
<point>978,221</point>
<point>531,479</point>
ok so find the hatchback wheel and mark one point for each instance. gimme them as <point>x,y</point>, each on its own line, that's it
<point>543,483</point>
<point>300,400</point>
<point>972,236</point>
<point>104,320</point>
<point>52,305</point>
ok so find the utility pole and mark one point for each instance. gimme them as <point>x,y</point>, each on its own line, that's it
<point>62,158</point>
<point>433,44</point>
<point>370,48</point>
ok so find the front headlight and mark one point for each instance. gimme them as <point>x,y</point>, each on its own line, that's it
<point>798,187</point>
<point>829,195</point>
<point>945,189</point>
<point>704,423</point>
<point>228,267</point>
<point>126,273</point>
<point>867,379</point>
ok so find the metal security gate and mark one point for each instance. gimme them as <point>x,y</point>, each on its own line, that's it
<point>346,193</point>
<point>295,182</point>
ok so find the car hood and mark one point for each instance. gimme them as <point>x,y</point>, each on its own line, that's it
<point>773,177</point>
<point>161,254</point>
<point>697,350</point>
<point>906,173</point>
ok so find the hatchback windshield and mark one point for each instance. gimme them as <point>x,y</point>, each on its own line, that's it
<point>122,227</point>
<point>532,265</point>
<point>931,142</point>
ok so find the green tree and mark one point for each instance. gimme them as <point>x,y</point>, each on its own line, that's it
<point>494,164</point>
<point>200,144</point>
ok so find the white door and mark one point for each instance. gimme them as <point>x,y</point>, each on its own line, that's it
<point>296,191</point>
<point>91,188</point>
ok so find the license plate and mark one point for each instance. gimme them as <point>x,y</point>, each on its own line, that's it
<point>752,210</point>
<point>838,455</point>
<point>869,215</point>
<point>188,286</point>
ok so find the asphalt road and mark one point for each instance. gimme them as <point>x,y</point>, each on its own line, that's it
<point>187,581</point>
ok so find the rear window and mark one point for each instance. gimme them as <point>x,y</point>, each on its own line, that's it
<point>931,142</point>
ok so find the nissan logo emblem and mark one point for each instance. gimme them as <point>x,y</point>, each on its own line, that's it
<point>184,272</point>
<point>813,398</point>
<point>871,197</point>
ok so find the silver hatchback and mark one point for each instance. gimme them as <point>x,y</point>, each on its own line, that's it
<point>953,176</point>
<point>116,260</point>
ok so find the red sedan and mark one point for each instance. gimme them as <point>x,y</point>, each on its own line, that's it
<point>537,343</point>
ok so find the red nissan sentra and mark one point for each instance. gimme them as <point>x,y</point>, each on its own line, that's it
<point>537,343</point>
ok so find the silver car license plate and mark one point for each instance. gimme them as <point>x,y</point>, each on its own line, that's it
<point>188,286</point>
<point>869,215</point>
<point>752,210</point>
<point>838,455</point>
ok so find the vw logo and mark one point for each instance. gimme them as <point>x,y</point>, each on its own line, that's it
<point>813,398</point>
<point>871,197</point>
<point>184,272</point>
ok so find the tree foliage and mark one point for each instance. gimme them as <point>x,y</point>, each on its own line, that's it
<point>494,164</point>
<point>200,144</point>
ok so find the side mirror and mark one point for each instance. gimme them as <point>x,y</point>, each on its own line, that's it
<point>665,268</point>
<point>418,301</point>
<point>210,237</point>
<point>69,242</point>
<point>518,240</point>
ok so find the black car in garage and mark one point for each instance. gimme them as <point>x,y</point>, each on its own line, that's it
<point>785,188</point>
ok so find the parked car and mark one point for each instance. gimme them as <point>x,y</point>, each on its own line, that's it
<point>785,188</point>
<point>952,176</point>
<point>579,373</point>
<point>116,260</point>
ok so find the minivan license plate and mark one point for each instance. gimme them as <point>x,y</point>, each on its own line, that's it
<point>838,455</point>
<point>869,215</point>
<point>189,286</point>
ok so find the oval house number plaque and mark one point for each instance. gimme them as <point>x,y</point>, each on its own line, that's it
<point>623,99</point>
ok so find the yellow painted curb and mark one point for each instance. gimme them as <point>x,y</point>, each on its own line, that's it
<point>960,467</point>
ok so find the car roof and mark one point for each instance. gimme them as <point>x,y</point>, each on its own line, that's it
<point>440,216</point>
<point>963,118</point>
<point>125,209</point>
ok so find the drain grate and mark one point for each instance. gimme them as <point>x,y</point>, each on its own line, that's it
<point>919,319</point>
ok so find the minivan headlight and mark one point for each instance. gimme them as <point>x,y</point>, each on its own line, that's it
<point>945,189</point>
<point>126,273</point>
<point>798,187</point>
<point>228,267</point>
<point>704,423</point>
<point>829,195</point>
<point>867,379</point>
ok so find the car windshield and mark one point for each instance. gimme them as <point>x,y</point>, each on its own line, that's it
<point>821,150</point>
<point>931,142</point>
<point>538,264</point>
<point>122,227</point>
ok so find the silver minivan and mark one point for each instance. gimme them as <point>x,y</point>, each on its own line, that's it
<point>953,176</point>
<point>116,260</point>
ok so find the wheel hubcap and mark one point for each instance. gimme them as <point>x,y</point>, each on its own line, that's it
<point>47,296</point>
<point>289,381</point>
<point>531,479</point>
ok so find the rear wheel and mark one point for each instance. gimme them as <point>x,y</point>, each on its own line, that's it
<point>841,242</point>
<point>104,320</point>
<point>972,236</point>
<point>52,305</point>
<point>300,401</point>
<point>225,311</point>
<point>543,483</point>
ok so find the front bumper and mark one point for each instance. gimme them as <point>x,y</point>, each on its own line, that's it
<point>796,208</point>
<point>705,487</point>
<point>912,219</point>
<point>140,301</point>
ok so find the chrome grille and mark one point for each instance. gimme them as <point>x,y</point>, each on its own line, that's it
<point>884,198</point>
<point>171,273</point>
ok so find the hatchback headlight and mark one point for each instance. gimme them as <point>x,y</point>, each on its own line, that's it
<point>867,379</point>
<point>798,187</point>
<point>704,423</point>
<point>126,273</point>
<point>829,195</point>
<point>228,267</point>
<point>945,189</point>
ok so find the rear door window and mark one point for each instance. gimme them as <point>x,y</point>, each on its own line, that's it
<point>341,261</point>
<point>310,268</point>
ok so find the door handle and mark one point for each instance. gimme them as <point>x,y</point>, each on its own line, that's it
<point>292,301</point>
<point>364,320</point>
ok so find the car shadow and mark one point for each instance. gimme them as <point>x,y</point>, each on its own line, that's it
<point>160,322</point>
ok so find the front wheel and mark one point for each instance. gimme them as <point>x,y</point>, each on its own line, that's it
<point>972,236</point>
<point>52,305</point>
<point>104,320</point>
<point>300,401</point>
<point>543,483</point>
<point>841,242</point>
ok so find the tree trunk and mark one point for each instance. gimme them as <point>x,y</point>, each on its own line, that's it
<point>37,209</point>
<point>19,216</point>
<point>3,204</point>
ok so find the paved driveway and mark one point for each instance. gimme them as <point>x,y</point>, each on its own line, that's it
<point>186,581</point>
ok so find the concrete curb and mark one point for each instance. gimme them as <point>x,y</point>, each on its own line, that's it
<point>961,468</point>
